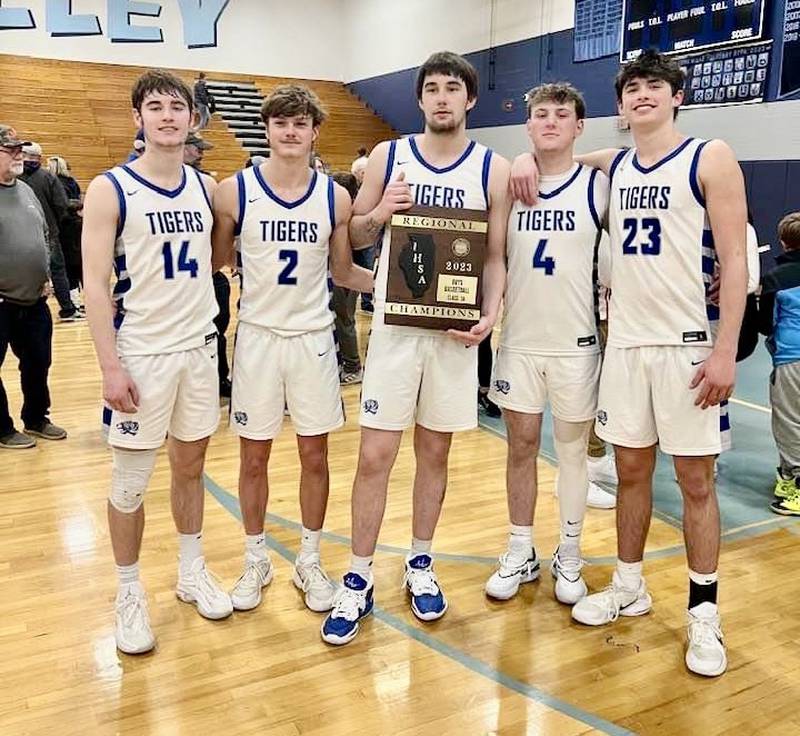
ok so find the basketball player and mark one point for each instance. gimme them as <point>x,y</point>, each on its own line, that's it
<point>156,344</point>
<point>414,376</point>
<point>549,344</point>
<point>289,220</point>
<point>663,379</point>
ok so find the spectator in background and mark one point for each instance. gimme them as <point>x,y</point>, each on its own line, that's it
<point>318,164</point>
<point>366,256</point>
<point>138,146</point>
<point>485,357</point>
<point>344,309</point>
<point>779,316</point>
<point>194,149</point>
<point>25,323</point>
<point>70,227</point>
<point>202,101</point>
<point>359,166</point>
<point>54,202</point>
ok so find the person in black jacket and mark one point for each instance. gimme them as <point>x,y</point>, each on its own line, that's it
<point>53,199</point>
<point>71,227</point>
<point>202,101</point>
<point>779,319</point>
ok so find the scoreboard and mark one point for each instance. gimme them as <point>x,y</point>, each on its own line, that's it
<point>687,26</point>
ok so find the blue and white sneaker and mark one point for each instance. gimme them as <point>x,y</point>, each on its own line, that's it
<point>427,600</point>
<point>352,602</point>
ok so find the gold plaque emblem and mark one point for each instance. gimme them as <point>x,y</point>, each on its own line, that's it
<point>460,247</point>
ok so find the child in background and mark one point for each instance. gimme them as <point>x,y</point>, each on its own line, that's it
<point>779,314</point>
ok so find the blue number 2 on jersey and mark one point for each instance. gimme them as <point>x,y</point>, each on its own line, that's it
<point>286,276</point>
<point>539,261</point>
<point>184,262</point>
<point>651,227</point>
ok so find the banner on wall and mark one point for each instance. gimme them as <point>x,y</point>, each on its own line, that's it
<point>790,53</point>
<point>727,76</point>
<point>597,29</point>
<point>199,18</point>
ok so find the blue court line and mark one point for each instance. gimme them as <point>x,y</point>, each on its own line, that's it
<point>231,504</point>
<point>496,427</point>
<point>779,522</point>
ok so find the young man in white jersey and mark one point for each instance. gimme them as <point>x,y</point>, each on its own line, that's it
<point>550,344</point>
<point>291,222</point>
<point>663,379</point>
<point>414,376</point>
<point>151,222</point>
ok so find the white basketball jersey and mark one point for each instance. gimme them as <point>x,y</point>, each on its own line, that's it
<point>658,229</point>
<point>164,295</point>
<point>550,300</point>
<point>283,251</point>
<point>463,184</point>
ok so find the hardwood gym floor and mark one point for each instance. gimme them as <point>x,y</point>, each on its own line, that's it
<point>521,667</point>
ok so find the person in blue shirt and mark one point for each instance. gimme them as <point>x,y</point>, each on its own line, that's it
<point>779,317</point>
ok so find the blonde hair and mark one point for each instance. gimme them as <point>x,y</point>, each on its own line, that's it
<point>58,166</point>
<point>789,231</point>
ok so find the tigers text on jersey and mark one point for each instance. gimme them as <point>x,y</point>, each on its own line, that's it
<point>659,229</point>
<point>164,296</point>
<point>463,184</point>
<point>283,251</point>
<point>550,300</point>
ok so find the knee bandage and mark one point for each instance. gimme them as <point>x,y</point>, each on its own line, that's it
<point>130,474</point>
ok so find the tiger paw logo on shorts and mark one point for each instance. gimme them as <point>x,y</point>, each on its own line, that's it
<point>240,417</point>
<point>602,417</point>
<point>128,427</point>
<point>371,406</point>
<point>502,387</point>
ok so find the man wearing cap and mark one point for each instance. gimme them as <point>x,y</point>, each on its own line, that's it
<point>25,323</point>
<point>53,198</point>
<point>193,151</point>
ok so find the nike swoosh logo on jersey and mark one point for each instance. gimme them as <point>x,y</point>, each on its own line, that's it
<point>402,163</point>
<point>319,355</point>
<point>254,199</point>
<point>130,194</point>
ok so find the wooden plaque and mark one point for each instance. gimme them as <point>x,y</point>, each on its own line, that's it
<point>436,259</point>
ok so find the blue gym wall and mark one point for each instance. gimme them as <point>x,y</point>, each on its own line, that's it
<point>509,70</point>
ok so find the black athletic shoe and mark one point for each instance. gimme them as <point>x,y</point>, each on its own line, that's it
<point>489,407</point>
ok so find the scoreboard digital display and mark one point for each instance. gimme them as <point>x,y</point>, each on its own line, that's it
<point>686,26</point>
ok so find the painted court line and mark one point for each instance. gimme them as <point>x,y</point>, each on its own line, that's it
<point>231,504</point>
<point>750,405</point>
<point>551,460</point>
<point>732,535</point>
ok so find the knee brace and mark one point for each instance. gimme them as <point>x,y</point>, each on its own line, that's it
<point>130,474</point>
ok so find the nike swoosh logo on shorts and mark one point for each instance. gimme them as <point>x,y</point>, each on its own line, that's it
<point>697,362</point>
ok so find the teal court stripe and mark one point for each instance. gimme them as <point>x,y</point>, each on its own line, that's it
<point>791,523</point>
<point>550,458</point>
<point>231,504</point>
<point>744,485</point>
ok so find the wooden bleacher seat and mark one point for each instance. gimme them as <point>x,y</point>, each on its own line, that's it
<point>82,111</point>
